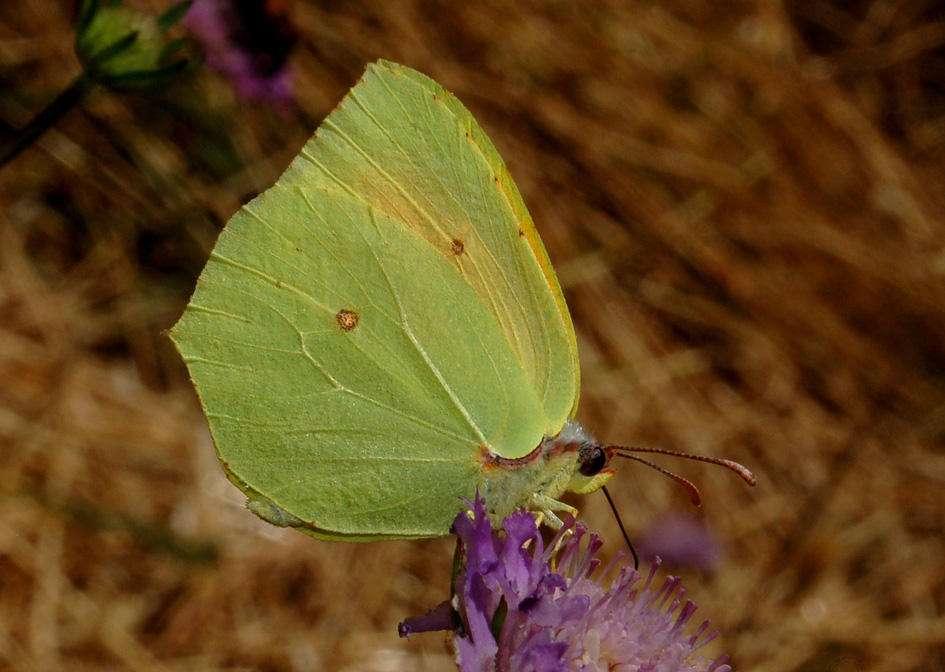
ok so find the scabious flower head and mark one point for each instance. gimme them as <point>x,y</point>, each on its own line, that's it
<point>513,611</point>
<point>248,43</point>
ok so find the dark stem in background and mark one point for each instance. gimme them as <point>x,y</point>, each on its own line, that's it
<point>64,102</point>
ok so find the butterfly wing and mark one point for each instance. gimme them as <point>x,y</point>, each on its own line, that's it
<point>509,191</point>
<point>350,375</point>
<point>402,144</point>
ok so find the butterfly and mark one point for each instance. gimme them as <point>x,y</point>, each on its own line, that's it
<point>381,333</point>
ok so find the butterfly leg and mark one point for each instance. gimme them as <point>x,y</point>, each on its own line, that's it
<point>544,511</point>
<point>545,508</point>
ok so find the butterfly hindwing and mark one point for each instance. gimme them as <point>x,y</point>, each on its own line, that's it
<point>349,373</point>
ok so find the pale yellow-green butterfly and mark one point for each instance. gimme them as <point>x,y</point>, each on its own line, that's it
<point>381,333</point>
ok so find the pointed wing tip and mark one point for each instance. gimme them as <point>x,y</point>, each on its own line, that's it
<point>390,66</point>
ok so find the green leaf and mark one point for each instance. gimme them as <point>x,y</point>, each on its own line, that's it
<point>172,47</point>
<point>141,79</point>
<point>173,14</point>
<point>123,43</point>
<point>87,10</point>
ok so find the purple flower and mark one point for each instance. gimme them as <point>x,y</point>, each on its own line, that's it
<point>514,612</point>
<point>682,541</point>
<point>247,42</point>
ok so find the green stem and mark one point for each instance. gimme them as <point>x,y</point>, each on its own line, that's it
<point>45,120</point>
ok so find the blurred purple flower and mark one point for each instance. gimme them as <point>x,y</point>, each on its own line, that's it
<point>513,612</point>
<point>681,541</point>
<point>247,41</point>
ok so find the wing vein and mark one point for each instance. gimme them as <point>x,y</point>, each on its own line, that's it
<point>419,347</point>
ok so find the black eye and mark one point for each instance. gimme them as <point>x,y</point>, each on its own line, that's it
<point>592,460</point>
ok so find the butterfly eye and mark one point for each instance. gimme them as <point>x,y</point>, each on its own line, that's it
<point>592,460</point>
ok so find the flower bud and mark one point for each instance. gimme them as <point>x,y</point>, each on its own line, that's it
<point>127,49</point>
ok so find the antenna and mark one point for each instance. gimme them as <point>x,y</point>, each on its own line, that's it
<point>625,451</point>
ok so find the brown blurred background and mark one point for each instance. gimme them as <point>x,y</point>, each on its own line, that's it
<point>744,202</point>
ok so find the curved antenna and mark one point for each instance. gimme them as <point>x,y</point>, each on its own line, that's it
<point>625,451</point>
<point>684,482</point>
<point>743,472</point>
<point>613,507</point>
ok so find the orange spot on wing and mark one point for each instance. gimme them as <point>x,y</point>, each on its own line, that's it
<point>347,319</point>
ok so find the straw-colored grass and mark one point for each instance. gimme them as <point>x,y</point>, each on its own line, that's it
<point>745,205</point>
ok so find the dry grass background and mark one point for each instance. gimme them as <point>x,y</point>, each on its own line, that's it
<point>745,204</point>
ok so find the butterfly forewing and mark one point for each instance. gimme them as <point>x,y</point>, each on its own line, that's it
<point>403,145</point>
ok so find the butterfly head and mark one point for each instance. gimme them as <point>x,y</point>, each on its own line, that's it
<point>592,469</point>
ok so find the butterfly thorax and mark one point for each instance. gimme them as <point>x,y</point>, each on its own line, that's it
<point>572,461</point>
